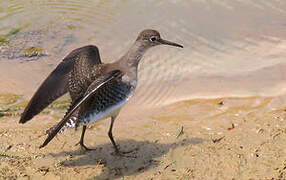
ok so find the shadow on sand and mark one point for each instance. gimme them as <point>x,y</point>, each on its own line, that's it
<point>141,159</point>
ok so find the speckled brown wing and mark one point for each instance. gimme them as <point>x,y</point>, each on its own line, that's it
<point>99,82</point>
<point>56,84</point>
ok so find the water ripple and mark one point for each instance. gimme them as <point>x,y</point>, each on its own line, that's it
<point>226,43</point>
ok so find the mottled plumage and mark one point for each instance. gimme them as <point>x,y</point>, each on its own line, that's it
<point>97,90</point>
<point>57,83</point>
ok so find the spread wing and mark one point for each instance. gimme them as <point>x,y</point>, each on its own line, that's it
<point>99,83</point>
<point>56,84</point>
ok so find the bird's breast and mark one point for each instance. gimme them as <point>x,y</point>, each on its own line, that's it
<point>130,78</point>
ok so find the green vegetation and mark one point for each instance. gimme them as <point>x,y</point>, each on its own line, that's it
<point>13,105</point>
<point>33,51</point>
<point>4,37</point>
<point>8,156</point>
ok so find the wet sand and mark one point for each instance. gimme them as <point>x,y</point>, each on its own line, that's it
<point>225,138</point>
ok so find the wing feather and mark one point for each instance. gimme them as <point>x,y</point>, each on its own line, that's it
<point>56,84</point>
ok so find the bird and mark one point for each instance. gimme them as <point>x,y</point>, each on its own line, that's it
<point>97,90</point>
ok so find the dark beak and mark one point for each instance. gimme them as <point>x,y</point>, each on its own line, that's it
<point>162,41</point>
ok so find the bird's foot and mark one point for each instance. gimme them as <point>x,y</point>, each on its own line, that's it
<point>83,147</point>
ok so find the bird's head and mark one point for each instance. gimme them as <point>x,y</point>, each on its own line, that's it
<point>151,38</point>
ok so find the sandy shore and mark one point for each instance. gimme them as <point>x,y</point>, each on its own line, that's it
<point>226,138</point>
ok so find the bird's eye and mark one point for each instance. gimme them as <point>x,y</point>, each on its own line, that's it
<point>153,38</point>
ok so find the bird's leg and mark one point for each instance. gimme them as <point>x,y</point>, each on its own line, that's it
<point>111,136</point>
<point>121,153</point>
<point>82,138</point>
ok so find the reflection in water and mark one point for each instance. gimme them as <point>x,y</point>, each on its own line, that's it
<point>232,48</point>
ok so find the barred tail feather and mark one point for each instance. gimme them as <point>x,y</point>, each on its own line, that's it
<point>71,123</point>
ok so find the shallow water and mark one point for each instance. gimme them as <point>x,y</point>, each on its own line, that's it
<point>235,48</point>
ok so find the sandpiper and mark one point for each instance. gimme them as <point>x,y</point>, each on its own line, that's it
<point>97,90</point>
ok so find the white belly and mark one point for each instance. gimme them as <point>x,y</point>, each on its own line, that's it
<point>109,112</point>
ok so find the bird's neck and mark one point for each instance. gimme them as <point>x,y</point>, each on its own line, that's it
<point>132,58</point>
